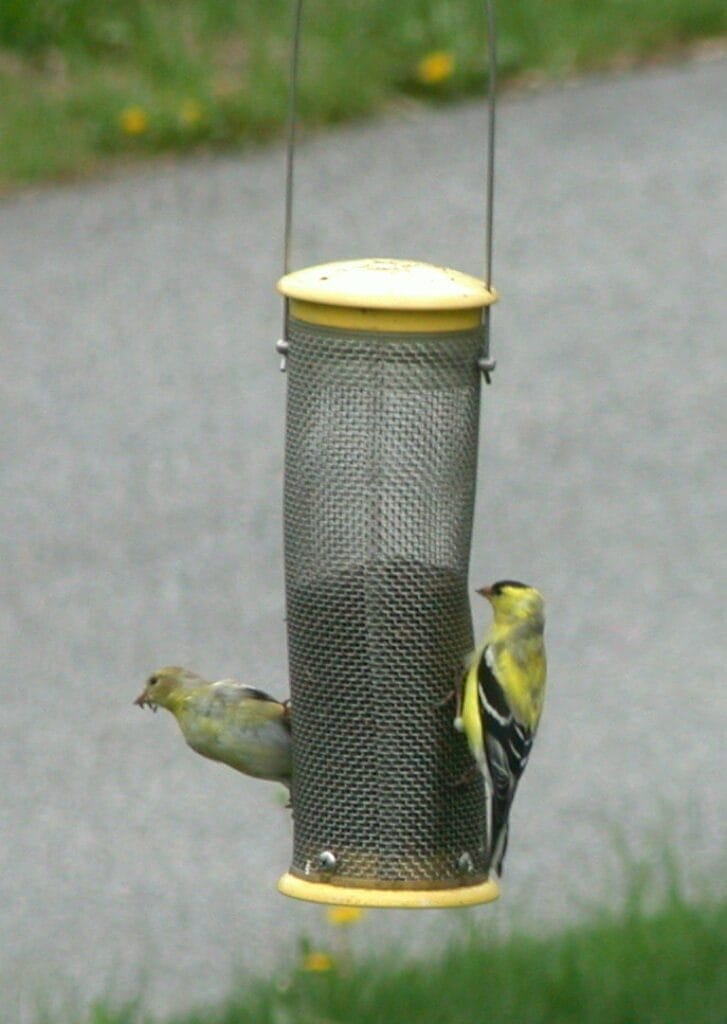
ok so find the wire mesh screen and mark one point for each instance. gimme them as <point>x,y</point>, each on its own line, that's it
<point>381,452</point>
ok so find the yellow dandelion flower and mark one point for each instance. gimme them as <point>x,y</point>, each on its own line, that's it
<point>191,113</point>
<point>133,121</point>
<point>343,916</point>
<point>317,961</point>
<point>435,68</point>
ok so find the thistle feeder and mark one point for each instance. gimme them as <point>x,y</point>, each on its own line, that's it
<point>380,466</point>
<point>384,361</point>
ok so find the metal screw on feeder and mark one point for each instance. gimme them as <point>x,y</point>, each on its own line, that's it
<point>384,359</point>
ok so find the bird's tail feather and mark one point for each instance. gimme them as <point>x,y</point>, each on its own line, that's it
<point>499,849</point>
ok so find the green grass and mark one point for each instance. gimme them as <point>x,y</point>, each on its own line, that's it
<point>661,966</point>
<point>213,73</point>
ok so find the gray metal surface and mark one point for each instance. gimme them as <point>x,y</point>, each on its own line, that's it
<point>380,464</point>
<point>141,417</point>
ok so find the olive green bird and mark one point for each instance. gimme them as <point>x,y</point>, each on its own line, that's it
<point>500,701</point>
<point>225,721</point>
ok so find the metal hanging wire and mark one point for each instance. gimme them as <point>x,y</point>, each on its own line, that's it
<point>283,345</point>
<point>291,133</point>
<point>486,363</point>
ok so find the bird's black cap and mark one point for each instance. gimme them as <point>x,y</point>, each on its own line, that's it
<point>497,588</point>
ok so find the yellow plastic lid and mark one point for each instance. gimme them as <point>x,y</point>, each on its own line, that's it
<point>386,284</point>
<point>386,295</point>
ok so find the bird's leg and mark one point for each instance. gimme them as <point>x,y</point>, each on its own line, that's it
<point>455,694</point>
<point>458,695</point>
<point>467,776</point>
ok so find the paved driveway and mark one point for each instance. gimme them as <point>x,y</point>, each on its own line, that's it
<point>142,436</point>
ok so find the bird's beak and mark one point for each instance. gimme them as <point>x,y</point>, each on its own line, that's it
<point>143,701</point>
<point>485,592</point>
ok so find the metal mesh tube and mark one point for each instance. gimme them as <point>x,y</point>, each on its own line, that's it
<point>381,449</point>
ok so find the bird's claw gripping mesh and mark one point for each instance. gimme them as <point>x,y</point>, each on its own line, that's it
<point>381,451</point>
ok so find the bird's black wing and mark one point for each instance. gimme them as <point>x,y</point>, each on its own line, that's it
<point>229,691</point>
<point>507,746</point>
<point>254,694</point>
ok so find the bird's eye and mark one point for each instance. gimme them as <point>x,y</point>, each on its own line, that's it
<point>153,680</point>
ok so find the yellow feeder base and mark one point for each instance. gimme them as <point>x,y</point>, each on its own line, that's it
<point>402,899</point>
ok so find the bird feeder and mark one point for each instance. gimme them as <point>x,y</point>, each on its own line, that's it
<point>380,467</point>
<point>384,362</point>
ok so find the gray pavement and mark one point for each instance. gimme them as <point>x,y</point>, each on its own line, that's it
<point>142,437</point>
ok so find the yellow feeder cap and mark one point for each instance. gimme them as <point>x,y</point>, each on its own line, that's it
<point>386,294</point>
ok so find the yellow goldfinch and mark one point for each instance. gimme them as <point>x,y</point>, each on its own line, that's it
<point>501,701</point>
<point>225,721</point>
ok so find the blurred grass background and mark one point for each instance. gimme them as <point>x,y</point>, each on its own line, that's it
<point>642,964</point>
<point>86,81</point>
